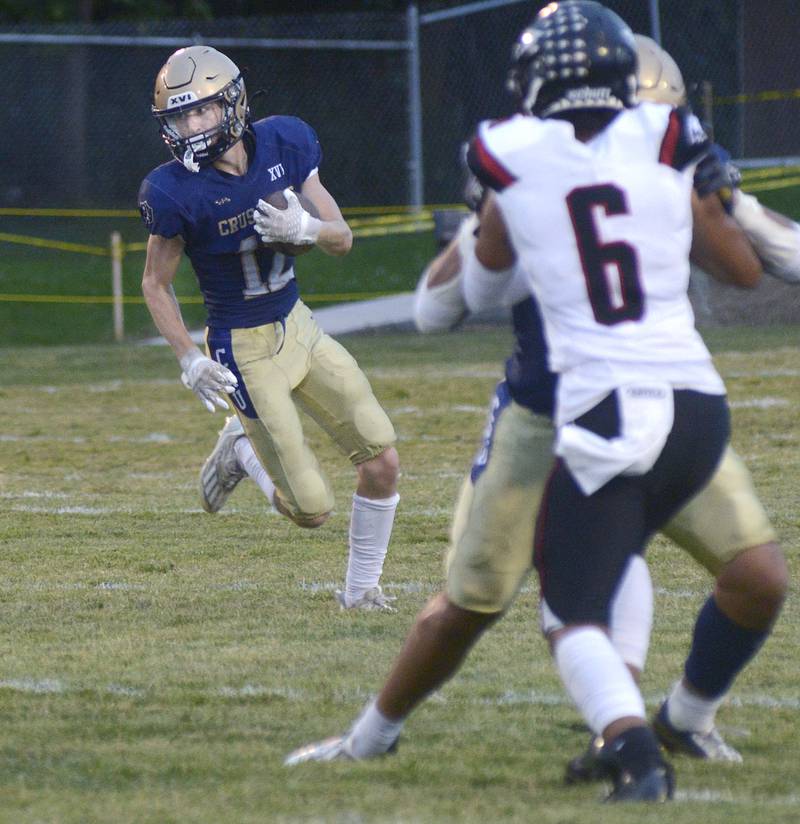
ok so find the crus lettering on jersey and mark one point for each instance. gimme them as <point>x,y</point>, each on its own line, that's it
<point>231,225</point>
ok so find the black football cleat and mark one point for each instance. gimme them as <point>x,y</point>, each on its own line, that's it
<point>709,746</point>
<point>657,785</point>
<point>590,765</point>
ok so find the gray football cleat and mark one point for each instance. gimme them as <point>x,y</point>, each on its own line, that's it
<point>710,746</point>
<point>222,471</point>
<point>373,600</point>
<point>338,748</point>
<point>331,749</point>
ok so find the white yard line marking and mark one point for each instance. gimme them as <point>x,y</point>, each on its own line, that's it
<point>765,373</point>
<point>758,403</point>
<point>29,493</point>
<point>44,686</point>
<point>37,687</point>
<point>121,510</point>
<point>110,386</point>
<point>152,437</point>
<point>412,372</point>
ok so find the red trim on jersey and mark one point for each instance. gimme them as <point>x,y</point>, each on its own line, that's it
<point>499,176</point>
<point>670,142</point>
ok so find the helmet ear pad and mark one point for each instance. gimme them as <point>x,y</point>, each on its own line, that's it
<point>576,54</point>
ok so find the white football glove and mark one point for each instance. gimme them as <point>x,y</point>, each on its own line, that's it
<point>290,225</point>
<point>207,378</point>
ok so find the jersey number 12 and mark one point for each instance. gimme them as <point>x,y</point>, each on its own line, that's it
<point>251,269</point>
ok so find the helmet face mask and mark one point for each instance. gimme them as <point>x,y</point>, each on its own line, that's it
<point>576,55</point>
<point>190,81</point>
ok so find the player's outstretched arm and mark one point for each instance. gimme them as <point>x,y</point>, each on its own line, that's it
<point>775,238</point>
<point>439,302</point>
<point>205,377</point>
<point>720,247</point>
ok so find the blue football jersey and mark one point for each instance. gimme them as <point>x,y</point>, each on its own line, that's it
<point>530,382</point>
<point>243,282</point>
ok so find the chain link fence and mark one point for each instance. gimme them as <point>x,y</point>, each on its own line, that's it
<point>78,97</point>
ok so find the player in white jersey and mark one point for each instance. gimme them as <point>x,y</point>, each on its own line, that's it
<point>593,201</point>
<point>750,570</point>
<point>488,560</point>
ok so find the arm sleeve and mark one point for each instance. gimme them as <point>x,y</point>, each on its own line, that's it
<point>777,244</point>
<point>484,288</point>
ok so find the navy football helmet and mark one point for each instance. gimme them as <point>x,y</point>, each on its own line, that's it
<point>576,54</point>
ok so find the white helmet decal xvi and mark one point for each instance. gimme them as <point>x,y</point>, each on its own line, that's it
<point>181,99</point>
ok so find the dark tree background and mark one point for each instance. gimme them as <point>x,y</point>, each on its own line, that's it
<point>60,11</point>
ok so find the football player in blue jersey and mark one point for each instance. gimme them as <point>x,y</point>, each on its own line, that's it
<point>506,482</point>
<point>263,347</point>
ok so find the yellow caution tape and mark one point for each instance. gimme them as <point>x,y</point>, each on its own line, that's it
<point>61,245</point>
<point>138,299</point>
<point>407,211</point>
<point>756,97</point>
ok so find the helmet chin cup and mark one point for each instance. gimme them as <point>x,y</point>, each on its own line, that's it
<point>189,161</point>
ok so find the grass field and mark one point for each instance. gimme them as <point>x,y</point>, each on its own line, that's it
<point>158,663</point>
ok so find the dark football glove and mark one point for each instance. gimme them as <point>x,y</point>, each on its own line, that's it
<point>474,191</point>
<point>715,174</point>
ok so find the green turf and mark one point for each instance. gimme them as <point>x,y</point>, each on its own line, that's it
<point>159,663</point>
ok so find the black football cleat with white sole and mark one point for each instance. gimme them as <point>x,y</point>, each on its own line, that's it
<point>710,746</point>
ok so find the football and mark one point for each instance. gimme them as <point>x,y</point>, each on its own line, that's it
<point>278,200</point>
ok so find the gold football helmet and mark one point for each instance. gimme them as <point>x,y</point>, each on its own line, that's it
<point>658,77</point>
<point>193,78</point>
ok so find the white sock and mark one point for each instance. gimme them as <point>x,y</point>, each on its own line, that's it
<point>370,529</point>
<point>688,711</point>
<point>373,733</point>
<point>596,678</point>
<point>252,466</point>
<point>632,613</point>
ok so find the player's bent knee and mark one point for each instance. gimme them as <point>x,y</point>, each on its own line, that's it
<point>761,572</point>
<point>310,521</point>
<point>446,621</point>
<point>382,471</point>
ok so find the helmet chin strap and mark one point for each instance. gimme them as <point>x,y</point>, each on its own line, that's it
<point>189,161</point>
